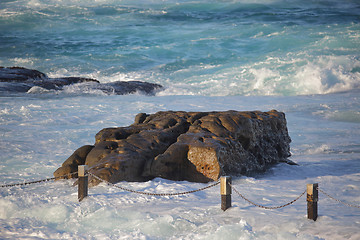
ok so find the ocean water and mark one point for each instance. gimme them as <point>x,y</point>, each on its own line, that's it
<point>299,57</point>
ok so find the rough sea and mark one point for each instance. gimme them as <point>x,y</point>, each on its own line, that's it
<point>301,57</point>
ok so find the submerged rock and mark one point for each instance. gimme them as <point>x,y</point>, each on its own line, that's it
<point>18,79</point>
<point>192,146</point>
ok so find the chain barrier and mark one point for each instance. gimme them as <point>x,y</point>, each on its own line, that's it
<point>38,181</point>
<point>260,206</point>
<point>153,194</point>
<point>337,200</point>
<point>180,193</point>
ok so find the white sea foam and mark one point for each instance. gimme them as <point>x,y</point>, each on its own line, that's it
<point>38,90</point>
<point>292,75</point>
<point>324,149</point>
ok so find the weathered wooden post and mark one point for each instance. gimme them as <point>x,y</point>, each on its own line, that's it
<point>225,191</point>
<point>312,199</point>
<point>82,182</point>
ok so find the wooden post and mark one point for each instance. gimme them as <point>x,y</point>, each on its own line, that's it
<point>225,191</point>
<point>82,182</point>
<point>312,199</point>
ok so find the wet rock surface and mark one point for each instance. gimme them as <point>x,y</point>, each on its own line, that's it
<point>18,79</point>
<point>192,146</point>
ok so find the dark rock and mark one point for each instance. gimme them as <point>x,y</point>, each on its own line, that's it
<point>71,164</point>
<point>18,74</point>
<point>59,83</point>
<point>18,79</point>
<point>140,118</point>
<point>192,146</point>
<point>133,86</point>
<point>130,87</point>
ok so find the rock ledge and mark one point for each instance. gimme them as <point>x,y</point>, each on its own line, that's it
<point>19,79</point>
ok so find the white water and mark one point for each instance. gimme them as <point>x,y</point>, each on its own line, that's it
<point>38,132</point>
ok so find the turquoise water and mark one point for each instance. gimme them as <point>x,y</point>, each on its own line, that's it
<point>191,47</point>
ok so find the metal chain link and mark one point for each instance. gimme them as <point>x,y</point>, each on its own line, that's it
<point>337,200</point>
<point>153,194</point>
<point>38,181</point>
<point>260,206</point>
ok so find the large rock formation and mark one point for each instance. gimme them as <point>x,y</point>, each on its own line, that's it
<point>18,79</point>
<point>192,146</point>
